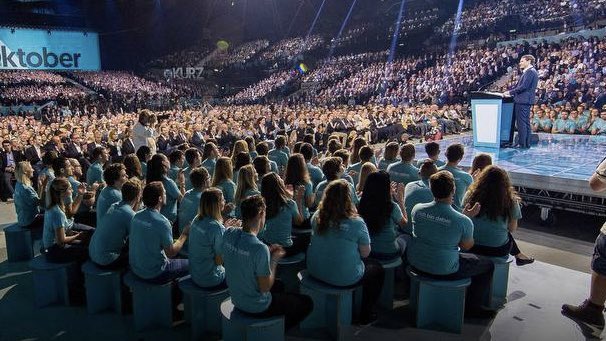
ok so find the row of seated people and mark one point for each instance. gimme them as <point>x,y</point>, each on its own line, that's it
<point>564,120</point>
<point>385,214</point>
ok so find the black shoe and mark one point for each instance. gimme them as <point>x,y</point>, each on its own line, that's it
<point>586,312</point>
<point>520,261</point>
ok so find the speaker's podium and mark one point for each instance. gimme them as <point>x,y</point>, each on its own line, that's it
<point>492,117</point>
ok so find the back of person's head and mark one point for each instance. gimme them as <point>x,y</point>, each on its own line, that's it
<point>246,180</point>
<point>223,170</point>
<point>455,152</point>
<point>332,167</point>
<point>239,147</point>
<point>297,147</point>
<point>343,154</point>
<point>391,151</point>
<point>113,173</point>
<point>157,168</point>
<point>60,164</point>
<point>432,149</point>
<point>250,208</point>
<point>131,190</point>
<point>366,153</point>
<point>307,150</point>
<point>427,169</point>
<point>529,58</point>
<point>133,166</point>
<point>493,190</point>
<point>97,152</point>
<point>334,145</point>
<point>144,116</point>
<point>274,193</point>
<point>366,169</point>
<point>407,152</point>
<point>21,171</point>
<point>49,157</point>
<point>375,204</point>
<point>262,165</point>
<point>210,204</point>
<point>242,159</point>
<point>296,170</point>
<point>199,178</point>
<point>442,184</point>
<point>250,141</point>
<point>143,153</point>
<point>262,148</point>
<point>480,162</point>
<point>280,141</point>
<point>57,187</point>
<point>358,143</point>
<point>335,205</point>
<point>309,138</point>
<point>209,147</point>
<point>175,157</point>
<point>153,194</point>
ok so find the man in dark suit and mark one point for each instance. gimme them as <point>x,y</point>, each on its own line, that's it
<point>8,162</point>
<point>524,97</point>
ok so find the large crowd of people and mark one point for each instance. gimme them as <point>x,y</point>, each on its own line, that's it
<point>287,49</point>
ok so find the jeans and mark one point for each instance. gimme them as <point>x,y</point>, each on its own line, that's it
<point>76,251</point>
<point>176,268</point>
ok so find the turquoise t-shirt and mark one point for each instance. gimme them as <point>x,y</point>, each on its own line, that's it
<point>349,179</point>
<point>416,192</point>
<point>437,231</point>
<point>279,157</point>
<point>94,174</point>
<point>385,241</point>
<point>54,219</point>
<point>173,173</point>
<point>111,234</point>
<point>26,203</point>
<point>462,181</point>
<point>228,188</point>
<point>169,210</point>
<point>561,125</point>
<point>150,234</point>
<point>188,208</point>
<point>75,184</point>
<point>248,193</point>
<point>322,186</point>
<point>278,229</point>
<point>253,154</point>
<point>205,240</point>
<point>545,123</point>
<point>403,172</point>
<point>187,172</point>
<point>333,257</point>
<point>315,174</point>
<point>438,163</point>
<point>245,258</point>
<point>209,164</point>
<point>493,233</point>
<point>273,166</point>
<point>108,196</point>
<point>384,163</point>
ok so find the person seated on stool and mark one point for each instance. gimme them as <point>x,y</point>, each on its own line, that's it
<point>250,269</point>
<point>282,214</point>
<point>114,176</point>
<point>27,200</point>
<point>151,240</point>
<point>205,239</point>
<point>339,249</point>
<point>438,233</point>
<point>63,240</point>
<point>109,245</point>
<point>591,310</point>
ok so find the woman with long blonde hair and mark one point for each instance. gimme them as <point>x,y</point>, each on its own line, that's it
<point>246,186</point>
<point>341,236</point>
<point>222,179</point>
<point>27,200</point>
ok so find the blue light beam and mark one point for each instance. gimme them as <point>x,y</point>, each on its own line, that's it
<point>334,42</point>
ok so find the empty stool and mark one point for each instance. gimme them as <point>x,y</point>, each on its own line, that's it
<point>438,305</point>
<point>238,326</point>
<point>103,289</point>
<point>333,306</point>
<point>18,243</point>
<point>386,298</point>
<point>288,269</point>
<point>500,278</point>
<point>52,281</point>
<point>202,307</point>
<point>152,303</point>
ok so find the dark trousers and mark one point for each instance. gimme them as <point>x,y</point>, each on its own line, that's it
<point>480,270</point>
<point>509,248</point>
<point>6,186</point>
<point>522,118</point>
<point>294,307</point>
<point>372,283</point>
<point>300,242</point>
<point>73,252</point>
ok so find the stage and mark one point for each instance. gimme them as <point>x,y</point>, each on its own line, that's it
<point>552,174</point>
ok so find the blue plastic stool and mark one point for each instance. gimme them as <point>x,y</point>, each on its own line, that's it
<point>18,243</point>
<point>152,303</point>
<point>288,268</point>
<point>52,281</point>
<point>500,279</point>
<point>103,289</point>
<point>438,305</point>
<point>333,306</point>
<point>202,307</point>
<point>238,326</point>
<point>386,298</point>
